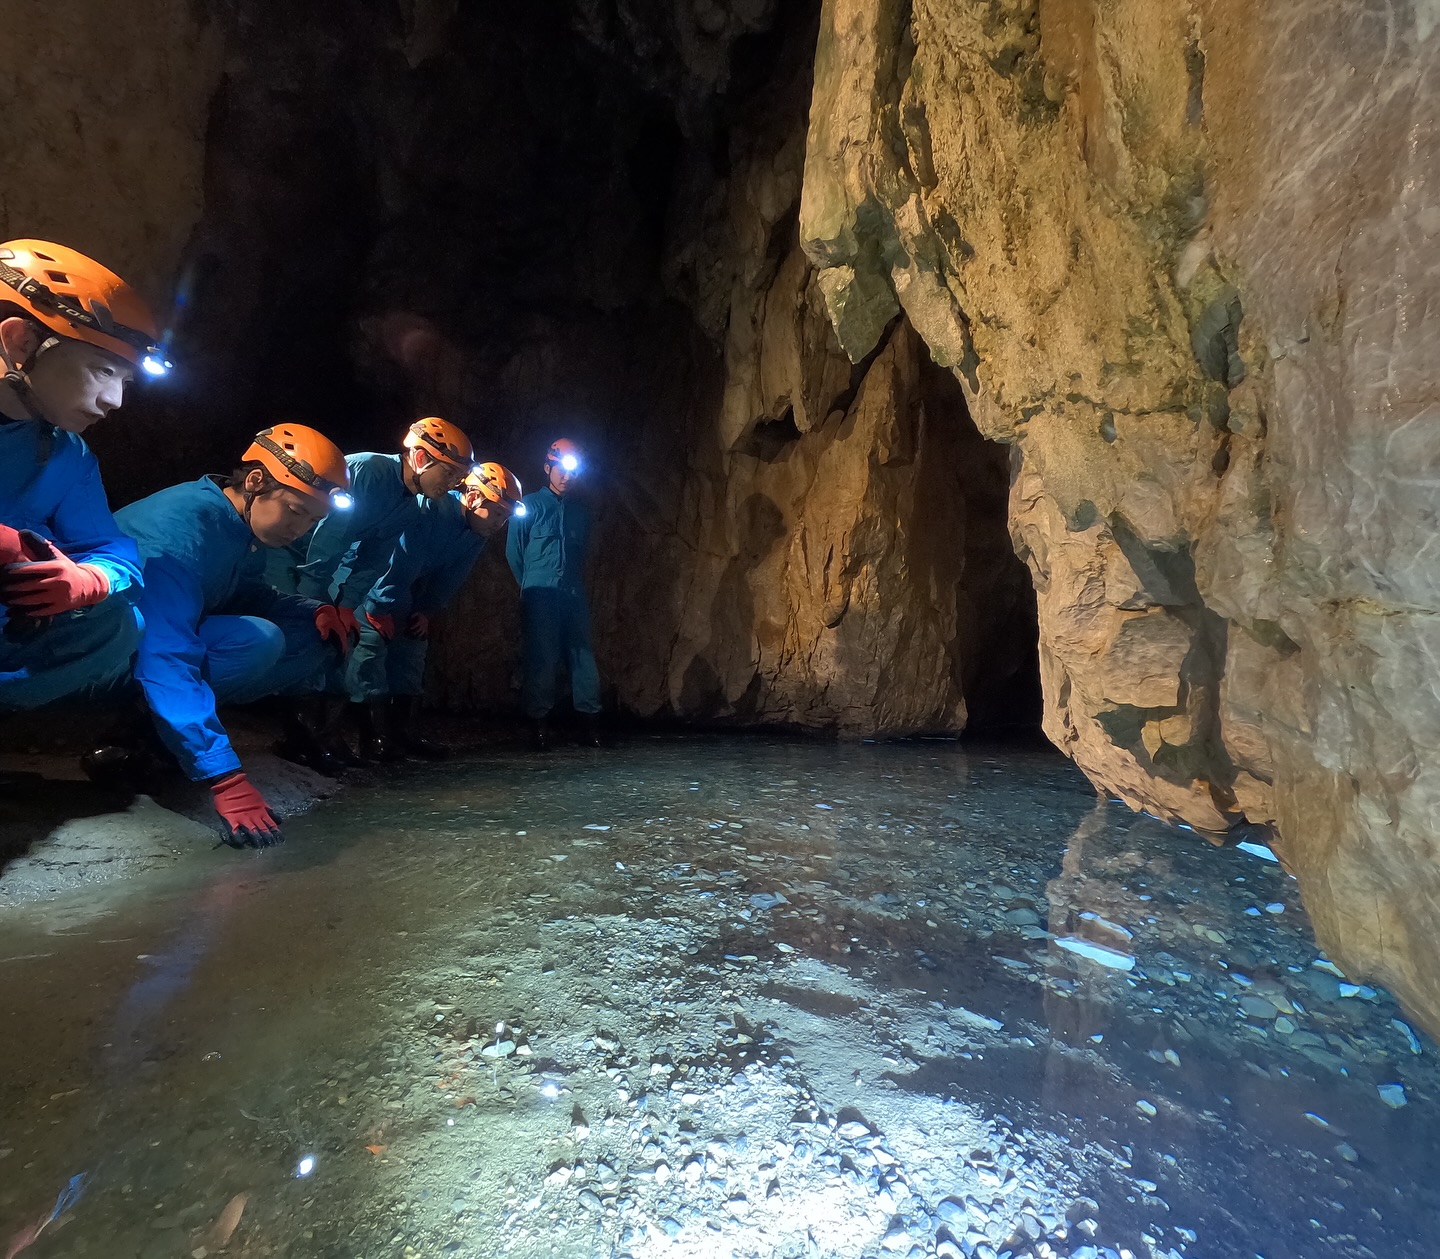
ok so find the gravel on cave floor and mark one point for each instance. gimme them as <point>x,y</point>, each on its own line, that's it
<point>707,996</point>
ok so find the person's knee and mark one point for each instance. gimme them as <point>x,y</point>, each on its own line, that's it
<point>252,647</point>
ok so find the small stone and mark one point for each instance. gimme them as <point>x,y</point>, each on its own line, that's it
<point>853,1130</point>
<point>1146,1108</point>
<point>590,1200</point>
<point>1348,1152</point>
<point>1393,1095</point>
<point>952,1212</point>
<point>1257,1007</point>
<point>897,1236</point>
<point>1284,1026</point>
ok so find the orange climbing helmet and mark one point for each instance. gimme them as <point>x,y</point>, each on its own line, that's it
<point>304,460</point>
<point>496,484</point>
<point>564,452</point>
<point>441,440</point>
<point>74,296</point>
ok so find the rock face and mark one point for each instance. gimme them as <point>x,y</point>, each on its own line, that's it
<point>105,159</point>
<point>1183,258</point>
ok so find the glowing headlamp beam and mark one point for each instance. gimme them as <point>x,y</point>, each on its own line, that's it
<point>569,463</point>
<point>154,366</point>
<point>341,501</point>
<point>521,509</point>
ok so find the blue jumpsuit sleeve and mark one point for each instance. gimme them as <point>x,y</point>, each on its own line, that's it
<point>169,667</point>
<point>332,540</point>
<point>443,582</point>
<point>395,583</point>
<point>86,531</point>
<point>516,536</point>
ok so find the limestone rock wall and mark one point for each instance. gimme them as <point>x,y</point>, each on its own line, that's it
<point>105,131</point>
<point>1183,257</point>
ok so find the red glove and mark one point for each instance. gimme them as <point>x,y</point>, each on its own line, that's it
<point>12,546</point>
<point>419,626</point>
<point>52,585</point>
<point>248,820</point>
<point>332,627</point>
<point>348,622</point>
<point>382,625</point>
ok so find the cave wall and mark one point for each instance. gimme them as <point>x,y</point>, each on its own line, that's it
<point>105,130</point>
<point>1183,257</point>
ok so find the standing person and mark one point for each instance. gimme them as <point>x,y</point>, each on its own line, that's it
<point>215,631</point>
<point>343,558</point>
<point>72,335</point>
<point>431,562</point>
<point>546,551</point>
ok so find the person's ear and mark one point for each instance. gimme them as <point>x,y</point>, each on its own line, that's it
<point>19,339</point>
<point>420,459</point>
<point>255,481</point>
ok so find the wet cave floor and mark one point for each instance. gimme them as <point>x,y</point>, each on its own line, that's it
<point>700,996</point>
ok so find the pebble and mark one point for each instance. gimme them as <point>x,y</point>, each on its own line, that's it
<point>1146,1108</point>
<point>1393,1095</point>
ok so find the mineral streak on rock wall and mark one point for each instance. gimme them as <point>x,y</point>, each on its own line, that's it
<point>1184,257</point>
<point>105,120</point>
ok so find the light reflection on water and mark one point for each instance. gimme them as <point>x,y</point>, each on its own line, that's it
<point>1033,1009</point>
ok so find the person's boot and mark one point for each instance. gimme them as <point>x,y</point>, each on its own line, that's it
<point>129,758</point>
<point>300,739</point>
<point>402,714</point>
<point>591,737</point>
<point>376,741</point>
<point>331,724</point>
<point>540,735</point>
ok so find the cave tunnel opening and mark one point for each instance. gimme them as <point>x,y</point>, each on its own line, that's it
<point>708,989</point>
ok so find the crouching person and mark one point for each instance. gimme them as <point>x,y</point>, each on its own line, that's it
<point>343,558</point>
<point>431,563</point>
<point>72,335</point>
<point>215,631</point>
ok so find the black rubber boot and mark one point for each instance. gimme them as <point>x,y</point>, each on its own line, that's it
<point>402,714</point>
<point>300,739</point>
<point>376,740</point>
<point>130,758</point>
<point>540,735</point>
<point>332,713</point>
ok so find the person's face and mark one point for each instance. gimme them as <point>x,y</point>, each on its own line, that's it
<point>76,384</point>
<point>484,517</point>
<point>559,479</point>
<point>434,479</point>
<point>281,515</point>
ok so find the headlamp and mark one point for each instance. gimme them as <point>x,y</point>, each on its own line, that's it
<point>340,500</point>
<point>520,510</point>
<point>155,366</point>
<point>569,463</point>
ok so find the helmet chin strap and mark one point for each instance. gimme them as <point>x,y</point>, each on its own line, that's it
<point>17,376</point>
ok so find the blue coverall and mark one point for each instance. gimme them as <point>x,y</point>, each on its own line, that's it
<point>215,631</point>
<point>546,551</point>
<point>50,484</point>
<point>430,564</point>
<point>347,553</point>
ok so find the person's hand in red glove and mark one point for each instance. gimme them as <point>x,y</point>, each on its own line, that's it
<point>331,626</point>
<point>348,621</point>
<point>418,627</point>
<point>52,584</point>
<point>383,625</point>
<point>247,818</point>
<point>12,546</point>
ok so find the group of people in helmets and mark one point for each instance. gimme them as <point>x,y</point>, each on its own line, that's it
<point>305,573</point>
